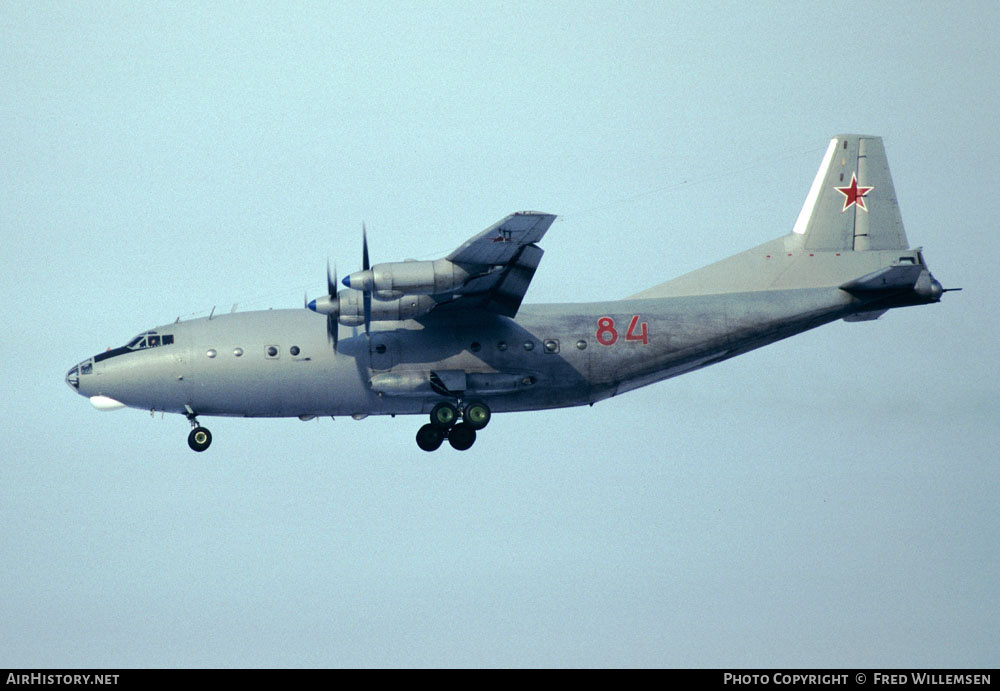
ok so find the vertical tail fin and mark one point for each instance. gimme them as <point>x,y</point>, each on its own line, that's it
<point>852,202</point>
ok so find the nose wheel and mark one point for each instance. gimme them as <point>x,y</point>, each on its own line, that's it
<point>200,438</point>
<point>445,424</point>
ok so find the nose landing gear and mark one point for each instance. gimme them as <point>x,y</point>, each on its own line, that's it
<point>445,424</point>
<point>200,438</point>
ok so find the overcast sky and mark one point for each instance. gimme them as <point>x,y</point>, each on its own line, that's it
<point>830,500</point>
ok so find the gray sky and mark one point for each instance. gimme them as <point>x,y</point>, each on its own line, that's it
<point>827,501</point>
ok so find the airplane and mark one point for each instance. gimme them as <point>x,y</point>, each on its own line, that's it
<point>450,340</point>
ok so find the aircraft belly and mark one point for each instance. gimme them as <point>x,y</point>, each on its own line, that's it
<point>314,387</point>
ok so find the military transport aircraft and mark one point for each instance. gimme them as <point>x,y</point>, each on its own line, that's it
<point>449,339</point>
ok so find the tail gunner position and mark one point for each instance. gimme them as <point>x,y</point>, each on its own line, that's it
<point>450,340</point>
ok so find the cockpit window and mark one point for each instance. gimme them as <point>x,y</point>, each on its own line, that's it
<point>150,339</point>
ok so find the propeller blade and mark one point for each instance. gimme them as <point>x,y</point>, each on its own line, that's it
<point>367,299</point>
<point>365,265</point>
<point>332,327</point>
<point>364,248</point>
<point>331,330</point>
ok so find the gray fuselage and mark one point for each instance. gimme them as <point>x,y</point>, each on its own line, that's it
<point>279,363</point>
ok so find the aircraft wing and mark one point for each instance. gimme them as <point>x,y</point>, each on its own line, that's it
<point>502,259</point>
<point>499,243</point>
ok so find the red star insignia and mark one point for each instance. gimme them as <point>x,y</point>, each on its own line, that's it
<point>854,194</point>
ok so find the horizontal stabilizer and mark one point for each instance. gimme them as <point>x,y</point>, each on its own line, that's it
<point>900,277</point>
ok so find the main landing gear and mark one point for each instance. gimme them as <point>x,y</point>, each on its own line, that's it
<point>445,424</point>
<point>200,438</point>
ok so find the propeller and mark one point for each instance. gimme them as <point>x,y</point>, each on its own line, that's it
<point>328,305</point>
<point>331,319</point>
<point>363,280</point>
<point>367,295</point>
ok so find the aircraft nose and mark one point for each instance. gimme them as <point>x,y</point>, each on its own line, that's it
<point>73,378</point>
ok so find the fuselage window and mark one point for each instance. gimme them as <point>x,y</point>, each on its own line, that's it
<point>272,351</point>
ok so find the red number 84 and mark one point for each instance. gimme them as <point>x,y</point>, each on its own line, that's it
<point>607,334</point>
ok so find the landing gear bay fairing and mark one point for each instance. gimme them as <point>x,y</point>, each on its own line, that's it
<point>449,339</point>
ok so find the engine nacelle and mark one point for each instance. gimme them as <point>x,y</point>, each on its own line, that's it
<point>422,383</point>
<point>349,307</point>
<point>393,280</point>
